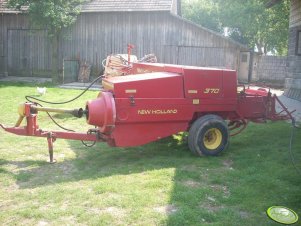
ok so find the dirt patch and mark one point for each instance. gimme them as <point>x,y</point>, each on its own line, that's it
<point>169,209</point>
<point>68,220</point>
<point>228,163</point>
<point>211,199</point>
<point>226,192</point>
<point>46,207</point>
<point>42,223</point>
<point>67,168</point>
<point>114,211</point>
<point>221,188</point>
<point>210,205</point>
<point>192,183</point>
<point>244,214</point>
<point>190,168</point>
<point>211,208</point>
<point>16,165</point>
<point>113,195</point>
<point>64,206</point>
<point>6,203</point>
<point>12,187</point>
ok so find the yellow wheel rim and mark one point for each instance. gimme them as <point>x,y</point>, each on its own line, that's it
<point>212,138</point>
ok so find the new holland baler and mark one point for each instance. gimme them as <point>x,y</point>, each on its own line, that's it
<point>150,101</point>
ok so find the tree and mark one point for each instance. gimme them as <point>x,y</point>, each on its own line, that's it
<point>203,12</point>
<point>53,15</point>
<point>248,22</point>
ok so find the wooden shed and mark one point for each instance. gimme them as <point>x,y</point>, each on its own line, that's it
<point>107,26</point>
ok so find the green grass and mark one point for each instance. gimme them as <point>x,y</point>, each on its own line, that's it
<point>156,184</point>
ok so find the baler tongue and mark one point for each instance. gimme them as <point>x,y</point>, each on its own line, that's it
<point>30,111</point>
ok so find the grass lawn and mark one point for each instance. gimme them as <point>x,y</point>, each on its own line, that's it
<point>161,183</point>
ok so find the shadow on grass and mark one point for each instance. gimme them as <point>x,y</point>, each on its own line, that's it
<point>103,161</point>
<point>233,189</point>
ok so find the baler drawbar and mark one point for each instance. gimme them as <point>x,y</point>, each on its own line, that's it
<point>151,101</point>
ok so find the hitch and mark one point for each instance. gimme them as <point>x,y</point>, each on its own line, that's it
<point>32,109</point>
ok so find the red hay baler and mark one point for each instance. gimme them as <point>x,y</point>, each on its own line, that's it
<point>153,101</point>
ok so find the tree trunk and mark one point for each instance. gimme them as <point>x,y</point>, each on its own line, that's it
<point>265,49</point>
<point>259,47</point>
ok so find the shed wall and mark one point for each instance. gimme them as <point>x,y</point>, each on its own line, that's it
<point>173,40</point>
<point>293,79</point>
<point>96,35</point>
<point>295,15</point>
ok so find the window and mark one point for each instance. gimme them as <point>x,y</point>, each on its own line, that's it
<point>298,43</point>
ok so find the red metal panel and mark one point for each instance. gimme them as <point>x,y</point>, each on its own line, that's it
<point>137,134</point>
<point>230,84</point>
<point>154,110</point>
<point>258,92</point>
<point>203,83</point>
<point>252,107</point>
<point>149,85</point>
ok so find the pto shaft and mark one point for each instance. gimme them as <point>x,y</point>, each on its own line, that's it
<point>75,112</point>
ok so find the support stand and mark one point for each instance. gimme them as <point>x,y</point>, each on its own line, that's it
<point>51,140</point>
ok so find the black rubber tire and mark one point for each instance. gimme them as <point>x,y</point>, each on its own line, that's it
<point>197,133</point>
<point>193,130</point>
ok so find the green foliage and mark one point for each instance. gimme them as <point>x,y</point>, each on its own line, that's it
<point>203,12</point>
<point>54,15</point>
<point>248,22</point>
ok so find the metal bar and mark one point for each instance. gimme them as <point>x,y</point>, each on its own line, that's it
<point>284,108</point>
<point>55,134</point>
<point>75,136</point>
<point>239,124</point>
